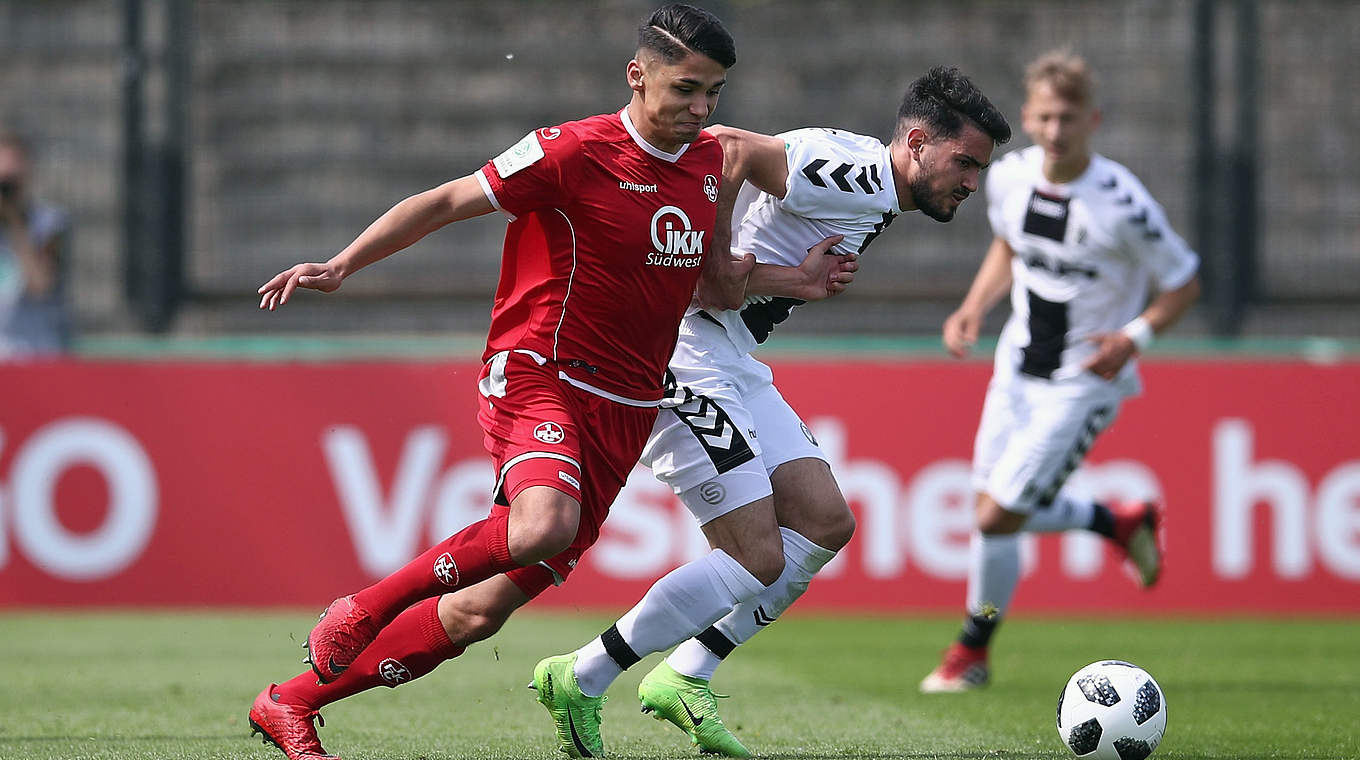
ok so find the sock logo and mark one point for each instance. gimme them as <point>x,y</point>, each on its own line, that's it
<point>393,672</point>
<point>446,570</point>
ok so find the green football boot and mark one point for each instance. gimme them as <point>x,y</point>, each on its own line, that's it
<point>691,706</point>
<point>576,715</point>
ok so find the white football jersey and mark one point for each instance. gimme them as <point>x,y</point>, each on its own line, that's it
<point>840,183</point>
<point>1086,253</point>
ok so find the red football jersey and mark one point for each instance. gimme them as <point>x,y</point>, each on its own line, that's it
<point>604,248</point>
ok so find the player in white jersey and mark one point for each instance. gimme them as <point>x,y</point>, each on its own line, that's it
<point>1078,241</point>
<point>726,441</point>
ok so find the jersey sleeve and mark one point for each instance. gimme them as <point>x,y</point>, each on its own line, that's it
<point>995,191</point>
<point>1149,238</point>
<point>828,179</point>
<point>536,172</point>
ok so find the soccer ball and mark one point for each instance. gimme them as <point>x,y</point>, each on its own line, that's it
<point>1111,710</point>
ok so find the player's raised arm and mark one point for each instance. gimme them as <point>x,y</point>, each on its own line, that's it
<point>992,282</point>
<point>746,156</point>
<point>762,161</point>
<point>400,227</point>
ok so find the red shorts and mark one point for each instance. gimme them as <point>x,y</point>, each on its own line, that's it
<point>542,431</point>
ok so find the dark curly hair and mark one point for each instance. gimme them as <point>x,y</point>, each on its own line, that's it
<point>942,99</point>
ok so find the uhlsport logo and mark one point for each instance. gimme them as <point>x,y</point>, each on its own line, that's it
<point>674,243</point>
<point>393,672</point>
<point>711,187</point>
<point>446,570</point>
<point>550,133</point>
<point>549,432</point>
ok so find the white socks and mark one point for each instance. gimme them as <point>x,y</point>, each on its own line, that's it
<point>802,560</point>
<point>682,603</point>
<point>993,571</point>
<point>1065,513</point>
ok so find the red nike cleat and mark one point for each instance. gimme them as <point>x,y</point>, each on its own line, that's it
<point>1137,531</point>
<point>961,669</point>
<point>342,632</point>
<point>288,727</point>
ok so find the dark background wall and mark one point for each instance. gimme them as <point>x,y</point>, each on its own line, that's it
<point>288,126</point>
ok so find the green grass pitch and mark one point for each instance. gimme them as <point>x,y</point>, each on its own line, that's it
<point>178,684</point>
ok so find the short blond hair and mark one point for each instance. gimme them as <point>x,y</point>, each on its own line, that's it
<point>1064,71</point>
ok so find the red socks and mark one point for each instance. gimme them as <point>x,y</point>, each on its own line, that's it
<point>469,556</point>
<point>409,647</point>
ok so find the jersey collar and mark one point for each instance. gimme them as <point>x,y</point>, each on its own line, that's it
<point>647,147</point>
<point>892,181</point>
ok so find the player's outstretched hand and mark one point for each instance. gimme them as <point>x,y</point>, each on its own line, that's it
<point>1114,349</point>
<point>826,273</point>
<point>278,290</point>
<point>961,332</point>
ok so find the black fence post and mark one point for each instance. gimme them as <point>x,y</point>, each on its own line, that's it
<point>155,186</point>
<point>134,141</point>
<point>1243,228</point>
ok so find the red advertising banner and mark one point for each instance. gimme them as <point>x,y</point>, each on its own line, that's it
<point>288,484</point>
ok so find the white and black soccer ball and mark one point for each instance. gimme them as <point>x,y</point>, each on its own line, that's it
<point>1111,710</point>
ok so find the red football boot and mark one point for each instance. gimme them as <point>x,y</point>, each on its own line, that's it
<point>342,632</point>
<point>288,727</point>
<point>1137,531</point>
<point>962,668</point>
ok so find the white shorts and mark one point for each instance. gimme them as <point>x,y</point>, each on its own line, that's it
<point>724,426</point>
<point>1034,433</point>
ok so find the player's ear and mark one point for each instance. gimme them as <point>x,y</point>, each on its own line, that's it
<point>635,75</point>
<point>916,140</point>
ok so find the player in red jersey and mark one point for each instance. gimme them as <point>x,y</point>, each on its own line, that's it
<point>610,218</point>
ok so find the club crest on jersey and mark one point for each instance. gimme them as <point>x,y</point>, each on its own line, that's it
<point>549,432</point>
<point>711,187</point>
<point>807,433</point>
<point>674,243</point>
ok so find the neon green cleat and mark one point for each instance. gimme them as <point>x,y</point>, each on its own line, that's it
<point>691,706</point>
<point>576,715</point>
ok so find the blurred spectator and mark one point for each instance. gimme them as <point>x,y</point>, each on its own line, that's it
<point>33,236</point>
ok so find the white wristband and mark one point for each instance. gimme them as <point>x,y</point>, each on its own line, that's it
<point>1140,332</point>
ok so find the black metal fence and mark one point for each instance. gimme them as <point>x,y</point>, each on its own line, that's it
<point>202,146</point>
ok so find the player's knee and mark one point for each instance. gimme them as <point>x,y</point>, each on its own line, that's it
<point>542,527</point>
<point>466,625</point>
<point>480,626</point>
<point>995,520</point>
<point>549,538</point>
<point>829,525</point>
<point>837,530</point>
<point>764,561</point>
